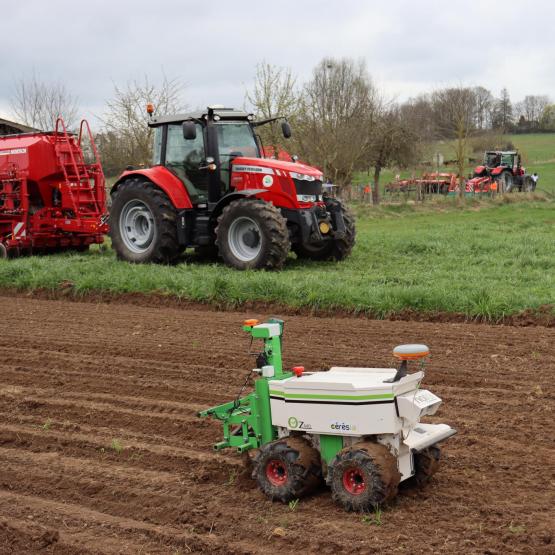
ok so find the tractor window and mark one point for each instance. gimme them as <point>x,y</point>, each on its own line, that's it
<point>157,147</point>
<point>184,158</point>
<point>493,159</point>
<point>236,138</point>
<point>507,160</point>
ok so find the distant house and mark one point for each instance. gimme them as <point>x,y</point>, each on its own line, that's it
<point>11,127</point>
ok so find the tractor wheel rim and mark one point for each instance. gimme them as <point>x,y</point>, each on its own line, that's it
<point>354,481</point>
<point>137,226</point>
<point>245,239</point>
<point>276,472</point>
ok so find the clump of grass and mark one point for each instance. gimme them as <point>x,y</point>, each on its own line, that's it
<point>375,518</point>
<point>232,478</point>
<point>47,425</point>
<point>293,504</point>
<point>516,529</point>
<point>116,446</point>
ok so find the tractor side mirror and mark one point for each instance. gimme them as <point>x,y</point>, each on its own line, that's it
<point>189,130</point>
<point>286,129</point>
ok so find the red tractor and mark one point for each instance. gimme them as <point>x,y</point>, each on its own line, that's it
<point>210,188</point>
<point>50,198</point>
<point>505,169</point>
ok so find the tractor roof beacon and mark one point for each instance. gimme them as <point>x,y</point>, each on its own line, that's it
<point>357,429</point>
<point>211,188</point>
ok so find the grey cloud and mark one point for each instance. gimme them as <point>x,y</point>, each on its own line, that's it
<point>213,46</point>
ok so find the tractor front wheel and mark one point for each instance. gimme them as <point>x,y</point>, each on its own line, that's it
<point>363,476</point>
<point>143,223</point>
<point>287,469</point>
<point>252,234</point>
<point>335,248</point>
<point>505,182</point>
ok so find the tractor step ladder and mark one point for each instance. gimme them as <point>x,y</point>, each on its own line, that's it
<point>76,173</point>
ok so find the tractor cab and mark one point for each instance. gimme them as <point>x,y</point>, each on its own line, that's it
<point>211,188</point>
<point>506,159</point>
<point>201,147</point>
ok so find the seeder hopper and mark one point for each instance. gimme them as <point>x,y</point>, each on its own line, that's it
<point>50,198</point>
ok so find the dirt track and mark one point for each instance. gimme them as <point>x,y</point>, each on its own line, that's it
<point>101,452</point>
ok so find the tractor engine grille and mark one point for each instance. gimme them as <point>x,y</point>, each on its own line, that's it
<point>308,187</point>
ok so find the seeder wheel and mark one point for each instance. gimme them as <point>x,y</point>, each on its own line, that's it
<point>363,476</point>
<point>3,251</point>
<point>287,469</point>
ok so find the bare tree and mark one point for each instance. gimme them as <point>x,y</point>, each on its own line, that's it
<point>126,137</point>
<point>503,112</point>
<point>419,116</point>
<point>38,103</point>
<point>394,142</point>
<point>484,105</point>
<point>274,94</point>
<point>547,121</point>
<point>336,119</point>
<point>530,110</point>
<point>455,109</point>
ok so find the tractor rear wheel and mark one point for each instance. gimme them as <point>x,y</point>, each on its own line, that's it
<point>426,464</point>
<point>363,476</point>
<point>528,184</point>
<point>252,234</point>
<point>143,223</point>
<point>333,248</point>
<point>287,469</point>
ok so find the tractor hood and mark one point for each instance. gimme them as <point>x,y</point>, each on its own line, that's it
<point>272,166</point>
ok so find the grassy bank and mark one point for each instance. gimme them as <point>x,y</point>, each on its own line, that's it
<point>484,260</point>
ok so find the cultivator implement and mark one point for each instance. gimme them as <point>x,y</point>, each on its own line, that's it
<point>50,197</point>
<point>428,184</point>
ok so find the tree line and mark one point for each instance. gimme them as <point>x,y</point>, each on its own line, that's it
<point>343,123</point>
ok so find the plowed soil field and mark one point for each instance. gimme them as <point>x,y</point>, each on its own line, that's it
<point>101,451</point>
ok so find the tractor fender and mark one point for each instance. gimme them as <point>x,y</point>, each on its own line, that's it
<point>236,195</point>
<point>165,180</point>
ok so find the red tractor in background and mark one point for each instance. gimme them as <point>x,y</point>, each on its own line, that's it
<point>210,188</point>
<point>505,169</point>
<point>50,198</point>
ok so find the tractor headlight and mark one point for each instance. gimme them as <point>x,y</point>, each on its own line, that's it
<point>302,176</point>
<point>307,198</point>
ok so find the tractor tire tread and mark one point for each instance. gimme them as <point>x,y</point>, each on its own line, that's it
<point>303,462</point>
<point>426,464</point>
<point>279,244</point>
<point>167,246</point>
<point>378,463</point>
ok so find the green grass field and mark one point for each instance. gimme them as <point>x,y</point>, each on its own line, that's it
<point>486,260</point>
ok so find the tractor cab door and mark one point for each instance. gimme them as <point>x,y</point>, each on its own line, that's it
<point>234,139</point>
<point>185,158</point>
<point>508,160</point>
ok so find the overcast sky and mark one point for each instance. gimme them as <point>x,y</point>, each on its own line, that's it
<point>410,46</point>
